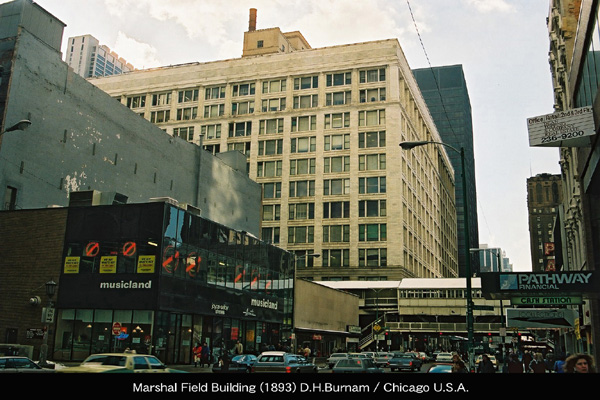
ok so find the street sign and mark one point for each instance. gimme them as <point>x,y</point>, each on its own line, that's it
<point>543,318</point>
<point>116,328</point>
<point>483,308</point>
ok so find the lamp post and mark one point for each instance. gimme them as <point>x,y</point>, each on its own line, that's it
<point>47,319</point>
<point>469,316</point>
<point>19,126</point>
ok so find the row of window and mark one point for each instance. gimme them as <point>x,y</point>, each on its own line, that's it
<point>366,162</point>
<point>366,185</point>
<point>331,210</point>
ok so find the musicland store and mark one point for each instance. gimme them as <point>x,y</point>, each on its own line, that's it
<point>158,279</point>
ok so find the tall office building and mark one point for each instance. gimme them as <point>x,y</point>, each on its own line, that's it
<point>445,92</point>
<point>544,196</point>
<point>89,58</point>
<point>321,130</point>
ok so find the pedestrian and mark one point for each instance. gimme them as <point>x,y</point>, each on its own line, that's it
<point>514,365</point>
<point>306,352</point>
<point>579,364</point>
<point>239,348</point>
<point>459,367</point>
<point>537,365</point>
<point>205,355</point>
<point>527,359</point>
<point>197,354</point>
<point>559,364</point>
<point>486,366</point>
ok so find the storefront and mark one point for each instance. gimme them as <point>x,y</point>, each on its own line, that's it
<point>158,279</point>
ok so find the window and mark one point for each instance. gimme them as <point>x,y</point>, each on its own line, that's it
<point>306,123</point>
<point>211,131</point>
<point>215,110</point>
<point>184,133</point>
<point>267,169</point>
<point>371,162</point>
<point>270,126</point>
<point>136,101</point>
<point>271,190</point>
<point>372,208</point>
<point>333,187</point>
<point>336,258</point>
<point>372,232</point>
<point>270,235</point>
<point>372,95</point>
<point>308,101</point>
<point>274,86</point>
<point>241,108</point>
<point>307,82</point>
<point>160,116</point>
<point>302,166</point>
<point>370,185</point>
<point>259,44</point>
<point>214,93</point>
<point>337,142</point>
<point>242,147</point>
<point>270,147</point>
<point>336,164</point>
<point>371,118</point>
<point>240,129</point>
<point>336,209</point>
<point>372,75</point>
<point>212,148</point>
<point>336,121</point>
<point>338,98</point>
<point>161,99</point>
<point>371,139</point>
<point>277,104</point>
<point>185,96</point>
<point>302,188</point>
<point>303,144</point>
<point>245,89</point>
<point>271,212</point>
<point>186,114</point>
<point>10,198</point>
<point>336,233</point>
<point>301,234</point>
<point>339,79</point>
<point>372,257</point>
<point>301,211</point>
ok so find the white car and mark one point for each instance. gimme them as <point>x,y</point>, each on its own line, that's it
<point>444,357</point>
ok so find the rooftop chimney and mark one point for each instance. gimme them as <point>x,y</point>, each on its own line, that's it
<point>252,24</point>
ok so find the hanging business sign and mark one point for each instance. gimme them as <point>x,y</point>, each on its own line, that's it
<point>541,318</point>
<point>550,284</point>
<point>570,128</point>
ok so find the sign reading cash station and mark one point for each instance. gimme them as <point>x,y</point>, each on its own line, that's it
<point>553,285</point>
<point>570,128</point>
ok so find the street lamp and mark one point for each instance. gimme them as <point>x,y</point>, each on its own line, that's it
<point>47,318</point>
<point>470,336</point>
<point>19,126</point>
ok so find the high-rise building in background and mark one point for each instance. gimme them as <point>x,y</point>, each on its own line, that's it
<point>89,58</point>
<point>321,130</point>
<point>445,92</point>
<point>493,259</point>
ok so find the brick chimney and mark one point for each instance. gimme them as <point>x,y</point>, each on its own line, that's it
<point>252,24</point>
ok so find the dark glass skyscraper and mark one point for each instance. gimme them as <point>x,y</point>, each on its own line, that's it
<point>445,92</point>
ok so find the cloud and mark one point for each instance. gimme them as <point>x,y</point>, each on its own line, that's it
<point>140,55</point>
<point>487,6</point>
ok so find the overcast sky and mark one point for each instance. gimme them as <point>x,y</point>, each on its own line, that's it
<point>501,44</point>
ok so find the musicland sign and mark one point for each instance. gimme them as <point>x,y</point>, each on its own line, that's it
<point>570,128</point>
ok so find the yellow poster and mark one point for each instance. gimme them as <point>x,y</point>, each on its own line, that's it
<point>145,264</point>
<point>108,265</point>
<point>71,265</point>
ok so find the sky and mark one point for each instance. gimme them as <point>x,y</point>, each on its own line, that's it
<point>502,45</point>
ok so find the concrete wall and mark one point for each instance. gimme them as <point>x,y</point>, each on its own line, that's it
<point>318,307</point>
<point>82,139</point>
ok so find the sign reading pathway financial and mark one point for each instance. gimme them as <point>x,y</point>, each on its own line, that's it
<point>570,128</point>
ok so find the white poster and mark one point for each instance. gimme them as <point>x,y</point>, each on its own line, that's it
<point>570,128</point>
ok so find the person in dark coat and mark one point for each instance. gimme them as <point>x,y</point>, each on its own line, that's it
<point>486,366</point>
<point>514,365</point>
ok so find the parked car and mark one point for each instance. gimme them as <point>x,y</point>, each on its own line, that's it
<point>444,357</point>
<point>370,354</point>
<point>335,357</point>
<point>440,368</point>
<point>20,364</point>
<point>356,365</point>
<point>280,361</point>
<point>128,362</point>
<point>418,362</point>
<point>381,359</point>
<point>404,361</point>
<point>238,364</point>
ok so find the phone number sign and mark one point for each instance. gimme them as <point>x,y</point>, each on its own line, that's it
<point>570,128</point>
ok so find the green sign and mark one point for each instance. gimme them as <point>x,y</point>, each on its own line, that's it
<point>546,300</point>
